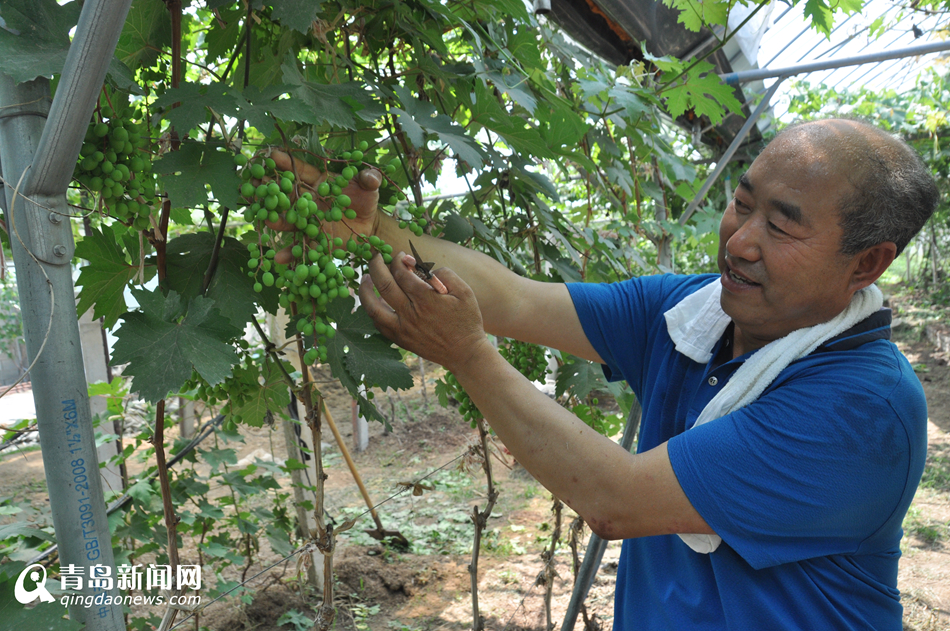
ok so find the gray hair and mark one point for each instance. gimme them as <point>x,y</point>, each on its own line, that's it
<point>894,192</point>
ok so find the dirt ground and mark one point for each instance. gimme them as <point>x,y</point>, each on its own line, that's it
<point>429,588</point>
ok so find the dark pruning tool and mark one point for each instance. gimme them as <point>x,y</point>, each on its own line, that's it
<point>424,271</point>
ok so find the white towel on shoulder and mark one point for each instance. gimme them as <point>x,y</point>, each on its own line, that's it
<point>697,322</point>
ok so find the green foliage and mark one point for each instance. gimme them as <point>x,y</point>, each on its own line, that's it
<point>35,39</point>
<point>300,621</point>
<point>165,341</point>
<point>105,278</point>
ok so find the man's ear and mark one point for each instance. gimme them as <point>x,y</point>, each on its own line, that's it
<point>871,263</point>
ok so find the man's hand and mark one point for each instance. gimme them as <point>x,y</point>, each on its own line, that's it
<point>363,190</point>
<point>444,328</point>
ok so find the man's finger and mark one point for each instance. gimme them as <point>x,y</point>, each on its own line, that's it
<point>410,262</point>
<point>370,179</point>
<point>376,308</point>
<point>305,171</point>
<point>452,282</point>
<point>403,271</point>
<point>386,285</point>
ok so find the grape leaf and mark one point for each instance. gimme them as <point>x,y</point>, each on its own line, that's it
<point>822,17</point>
<point>333,104</point>
<point>184,174</point>
<point>272,396</point>
<point>420,114</point>
<point>296,14</point>
<point>704,92</point>
<point>358,353</point>
<point>218,456</point>
<point>105,277</point>
<point>417,135</point>
<point>35,37</point>
<point>188,257</point>
<point>487,112</point>
<point>40,618</point>
<point>260,107</point>
<point>695,14</point>
<point>194,99</point>
<point>146,32</point>
<point>163,343</point>
<point>579,377</point>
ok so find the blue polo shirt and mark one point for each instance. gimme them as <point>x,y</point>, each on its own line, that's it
<point>807,486</point>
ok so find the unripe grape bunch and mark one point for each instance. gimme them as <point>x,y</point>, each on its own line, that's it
<point>322,267</point>
<point>233,393</point>
<point>530,360</point>
<point>114,162</point>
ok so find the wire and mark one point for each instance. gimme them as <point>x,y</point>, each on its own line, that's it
<point>124,499</point>
<point>406,489</point>
<point>308,547</point>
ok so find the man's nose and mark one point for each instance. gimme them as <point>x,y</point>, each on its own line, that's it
<point>745,242</point>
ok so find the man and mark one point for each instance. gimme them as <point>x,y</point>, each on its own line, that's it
<point>806,479</point>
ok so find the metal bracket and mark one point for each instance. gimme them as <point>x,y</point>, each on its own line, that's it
<point>42,224</point>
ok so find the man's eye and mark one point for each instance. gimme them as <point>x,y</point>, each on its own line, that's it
<point>772,226</point>
<point>738,203</point>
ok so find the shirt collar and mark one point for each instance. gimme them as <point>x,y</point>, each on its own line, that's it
<point>876,326</point>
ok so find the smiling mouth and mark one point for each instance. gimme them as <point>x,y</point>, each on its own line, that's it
<point>740,280</point>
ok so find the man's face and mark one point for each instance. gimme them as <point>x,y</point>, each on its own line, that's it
<point>779,243</point>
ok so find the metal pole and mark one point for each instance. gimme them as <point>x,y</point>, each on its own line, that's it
<point>97,34</point>
<point>735,78</point>
<point>596,546</point>
<point>721,165</point>
<point>38,158</point>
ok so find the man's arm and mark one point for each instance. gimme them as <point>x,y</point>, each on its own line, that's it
<point>619,494</point>
<point>511,305</point>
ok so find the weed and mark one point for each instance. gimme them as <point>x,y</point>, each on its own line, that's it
<point>937,471</point>
<point>361,613</point>
<point>918,525</point>
<point>300,621</point>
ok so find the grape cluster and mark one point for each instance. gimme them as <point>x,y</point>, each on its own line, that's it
<point>530,359</point>
<point>322,267</point>
<point>114,162</point>
<point>233,392</point>
<point>450,386</point>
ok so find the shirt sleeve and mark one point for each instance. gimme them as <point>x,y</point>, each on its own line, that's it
<point>622,320</point>
<point>816,466</point>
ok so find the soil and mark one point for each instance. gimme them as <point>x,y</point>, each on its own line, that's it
<point>429,588</point>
